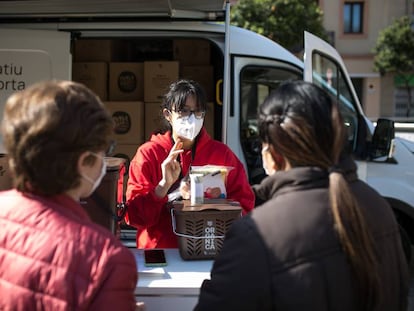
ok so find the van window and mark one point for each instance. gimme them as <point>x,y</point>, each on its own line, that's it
<point>256,83</point>
<point>328,75</point>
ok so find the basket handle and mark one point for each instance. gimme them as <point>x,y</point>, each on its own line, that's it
<point>174,227</point>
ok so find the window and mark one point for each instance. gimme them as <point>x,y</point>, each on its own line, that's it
<point>256,83</point>
<point>328,75</point>
<point>353,17</point>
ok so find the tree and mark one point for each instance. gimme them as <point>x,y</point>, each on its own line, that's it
<point>394,53</point>
<point>283,21</point>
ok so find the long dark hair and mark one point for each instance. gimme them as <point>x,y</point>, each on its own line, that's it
<point>302,123</point>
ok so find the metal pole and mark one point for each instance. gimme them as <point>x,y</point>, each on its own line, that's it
<point>226,73</point>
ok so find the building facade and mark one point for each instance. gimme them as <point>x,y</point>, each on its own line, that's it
<point>354,26</point>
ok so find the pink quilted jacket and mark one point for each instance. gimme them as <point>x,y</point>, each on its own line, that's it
<point>52,257</point>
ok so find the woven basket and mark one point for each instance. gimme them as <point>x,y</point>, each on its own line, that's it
<point>201,228</point>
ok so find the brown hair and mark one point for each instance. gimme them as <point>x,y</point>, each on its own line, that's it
<point>46,128</point>
<point>303,124</point>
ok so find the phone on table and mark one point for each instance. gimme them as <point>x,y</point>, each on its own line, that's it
<point>154,258</point>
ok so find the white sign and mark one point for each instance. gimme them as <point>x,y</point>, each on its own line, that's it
<point>18,70</point>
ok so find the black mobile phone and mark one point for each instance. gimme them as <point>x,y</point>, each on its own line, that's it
<point>154,258</point>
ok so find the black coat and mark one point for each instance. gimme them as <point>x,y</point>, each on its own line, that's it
<point>286,255</point>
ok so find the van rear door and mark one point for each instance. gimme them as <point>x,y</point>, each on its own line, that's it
<point>29,56</point>
<point>325,67</point>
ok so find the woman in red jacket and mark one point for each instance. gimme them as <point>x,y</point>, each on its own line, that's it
<point>160,165</point>
<point>52,256</point>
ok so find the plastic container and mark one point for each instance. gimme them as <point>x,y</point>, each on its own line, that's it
<point>212,176</point>
<point>197,190</point>
<point>201,228</point>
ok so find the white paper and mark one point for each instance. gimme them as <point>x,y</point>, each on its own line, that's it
<point>214,180</point>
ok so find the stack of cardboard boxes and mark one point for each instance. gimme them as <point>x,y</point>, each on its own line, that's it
<point>133,91</point>
<point>194,59</point>
<point>158,76</point>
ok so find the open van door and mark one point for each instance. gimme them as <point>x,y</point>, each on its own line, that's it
<point>324,67</point>
<point>29,56</point>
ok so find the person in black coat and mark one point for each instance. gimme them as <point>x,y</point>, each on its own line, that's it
<point>323,239</point>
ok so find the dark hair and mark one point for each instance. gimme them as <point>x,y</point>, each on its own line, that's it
<point>176,97</point>
<point>303,124</point>
<point>178,93</point>
<point>46,128</point>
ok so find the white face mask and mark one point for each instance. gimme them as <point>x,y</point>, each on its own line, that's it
<point>187,128</point>
<point>268,162</point>
<point>97,182</point>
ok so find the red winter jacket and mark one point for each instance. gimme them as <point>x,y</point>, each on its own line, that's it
<point>53,257</point>
<point>148,213</point>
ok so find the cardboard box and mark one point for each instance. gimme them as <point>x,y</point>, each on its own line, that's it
<point>203,75</point>
<point>125,151</point>
<point>158,75</point>
<point>129,121</point>
<point>99,50</point>
<point>154,120</point>
<point>126,81</point>
<point>94,75</point>
<point>191,51</point>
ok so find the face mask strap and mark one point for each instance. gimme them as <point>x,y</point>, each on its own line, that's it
<point>95,184</point>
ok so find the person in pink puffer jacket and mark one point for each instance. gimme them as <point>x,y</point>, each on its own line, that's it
<point>52,256</point>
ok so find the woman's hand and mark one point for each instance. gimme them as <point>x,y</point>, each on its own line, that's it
<point>171,169</point>
<point>185,189</point>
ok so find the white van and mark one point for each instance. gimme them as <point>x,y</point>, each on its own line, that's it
<point>38,41</point>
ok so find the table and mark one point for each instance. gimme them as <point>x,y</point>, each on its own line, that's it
<point>173,287</point>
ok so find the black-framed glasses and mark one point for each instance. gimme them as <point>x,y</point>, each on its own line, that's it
<point>185,113</point>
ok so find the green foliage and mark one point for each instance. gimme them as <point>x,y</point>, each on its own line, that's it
<point>394,50</point>
<point>283,21</point>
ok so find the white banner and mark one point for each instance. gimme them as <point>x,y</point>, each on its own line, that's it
<point>18,70</point>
